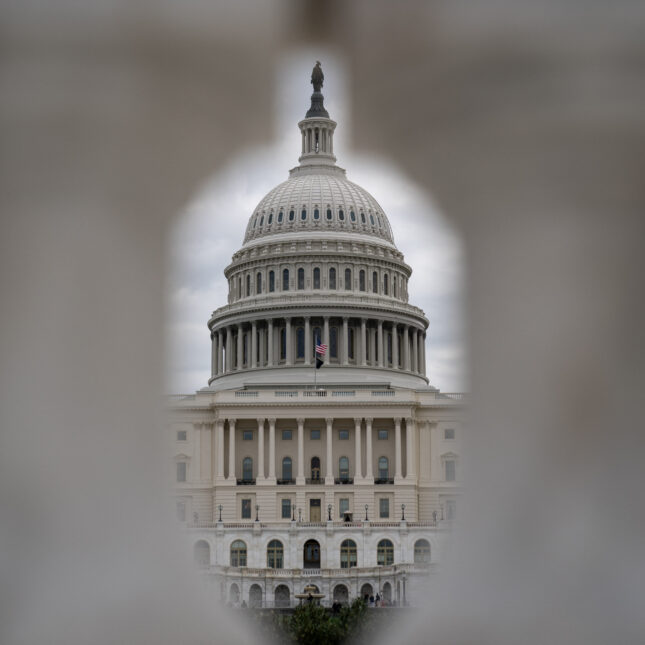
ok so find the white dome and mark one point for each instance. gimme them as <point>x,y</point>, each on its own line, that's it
<point>318,198</point>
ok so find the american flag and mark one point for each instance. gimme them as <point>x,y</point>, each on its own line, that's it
<point>321,349</point>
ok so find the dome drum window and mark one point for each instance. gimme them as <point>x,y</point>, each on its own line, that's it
<point>292,215</point>
<point>280,217</point>
<point>303,214</point>
<point>352,216</point>
<point>329,215</point>
<point>316,213</point>
<point>270,218</point>
<point>341,215</point>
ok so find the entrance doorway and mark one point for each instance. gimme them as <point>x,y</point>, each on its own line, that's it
<point>311,556</point>
<point>314,510</point>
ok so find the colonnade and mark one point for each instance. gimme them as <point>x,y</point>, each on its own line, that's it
<point>289,341</point>
<point>361,426</point>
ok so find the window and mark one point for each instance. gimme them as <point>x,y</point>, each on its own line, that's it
<point>383,468</point>
<point>271,281</point>
<point>316,214</point>
<point>300,342</point>
<point>244,348</point>
<point>421,552</point>
<point>363,218</point>
<point>361,280</point>
<point>372,219</point>
<point>255,222</point>
<point>292,215</point>
<point>343,434</point>
<point>451,509</point>
<point>246,509</point>
<point>332,278</point>
<point>315,434</point>
<point>385,284</point>
<point>333,342</point>
<point>181,471</point>
<point>352,216</point>
<point>341,215</point>
<point>394,286</point>
<point>239,287</point>
<point>450,470</point>
<point>270,218</point>
<point>343,468</point>
<point>315,468</point>
<point>329,213</point>
<point>384,553</point>
<point>348,279</point>
<point>389,348</point>
<point>247,469</point>
<point>286,509</point>
<point>285,280</point>
<point>286,468</point>
<point>301,278</point>
<point>182,435</point>
<point>343,507</point>
<point>283,344</point>
<point>238,548</point>
<point>280,216</point>
<point>303,214</point>
<point>287,435</point>
<point>247,435</point>
<point>275,553</point>
<point>181,511</point>
<point>350,342</point>
<point>258,283</point>
<point>449,433</point>
<point>383,434</point>
<point>375,282</point>
<point>316,278</point>
<point>384,507</point>
<point>347,554</point>
<point>262,220</point>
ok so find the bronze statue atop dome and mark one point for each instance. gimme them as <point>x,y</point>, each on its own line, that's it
<point>317,77</point>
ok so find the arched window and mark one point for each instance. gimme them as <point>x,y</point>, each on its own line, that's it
<point>347,554</point>
<point>301,278</point>
<point>332,278</point>
<point>258,283</point>
<point>384,553</point>
<point>303,214</point>
<point>238,554</point>
<point>271,281</point>
<point>248,285</point>
<point>348,279</point>
<point>283,344</point>
<point>333,342</point>
<point>275,555</point>
<point>287,469</point>
<point>316,214</point>
<point>315,468</point>
<point>247,469</point>
<point>282,596</point>
<point>255,221</point>
<point>421,552</point>
<point>343,468</point>
<point>292,215</point>
<point>280,217</point>
<point>383,468</point>
<point>350,342</point>
<point>270,218</point>
<point>375,282</point>
<point>385,284</point>
<point>372,219</point>
<point>361,280</point>
<point>316,278</point>
<point>285,280</point>
<point>363,218</point>
<point>341,214</point>
<point>300,342</point>
<point>202,554</point>
<point>329,213</point>
<point>352,216</point>
<point>262,220</point>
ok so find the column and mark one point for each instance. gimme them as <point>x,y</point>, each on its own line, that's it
<point>263,353</point>
<point>410,451</point>
<point>406,349</point>
<point>423,353</point>
<point>380,343</point>
<point>363,342</point>
<point>369,475</point>
<point>260,449</point>
<point>239,347</point>
<point>213,354</point>
<point>329,473</point>
<point>229,349</point>
<point>326,336</point>
<point>414,350</point>
<point>288,355</point>
<point>254,344</point>
<point>397,449</point>
<point>220,449</point>
<point>220,353</point>
<point>308,344</point>
<point>300,477</point>
<point>358,457</point>
<point>372,335</point>
<point>272,449</point>
<point>395,346</point>
<point>270,344</point>
<point>231,450</point>
<point>345,341</point>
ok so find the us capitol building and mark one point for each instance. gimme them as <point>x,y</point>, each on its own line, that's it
<point>345,477</point>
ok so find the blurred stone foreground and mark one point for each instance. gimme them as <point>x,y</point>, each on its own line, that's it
<point>524,120</point>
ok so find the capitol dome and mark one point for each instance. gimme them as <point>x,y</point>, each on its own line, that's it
<point>318,266</point>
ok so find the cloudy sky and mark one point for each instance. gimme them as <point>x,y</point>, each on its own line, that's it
<point>212,228</point>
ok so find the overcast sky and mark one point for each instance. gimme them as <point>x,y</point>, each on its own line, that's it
<point>213,225</point>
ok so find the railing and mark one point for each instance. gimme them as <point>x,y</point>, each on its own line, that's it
<point>282,525</point>
<point>314,393</point>
<point>382,392</point>
<point>384,480</point>
<point>286,482</point>
<point>245,482</point>
<point>286,393</point>
<point>344,480</point>
<point>317,480</point>
<point>247,394</point>
<point>343,393</point>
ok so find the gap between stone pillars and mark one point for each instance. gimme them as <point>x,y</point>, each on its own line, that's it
<point>213,354</point>
<point>231,450</point>
<point>397,449</point>
<point>326,337</point>
<point>260,449</point>
<point>395,346</point>
<point>300,477</point>
<point>271,477</point>
<point>369,474</point>
<point>358,458</point>
<point>262,347</point>
<point>308,344</point>
<point>254,344</point>
<point>228,363</point>
<point>406,348</point>
<point>220,450</point>
<point>410,452</point>
<point>345,341</point>
<point>289,352</point>
<point>329,473</point>
<point>270,344</point>
<point>380,343</point>
<point>363,342</point>
<point>220,352</point>
<point>240,338</point>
